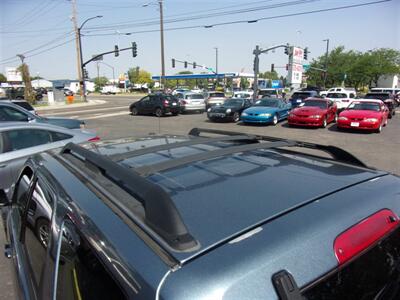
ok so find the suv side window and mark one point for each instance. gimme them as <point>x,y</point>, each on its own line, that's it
<point>58,136</point>
<point>80,274</point>
<point>11,114</point>
<point>25,138</point>
<point>36,229</point>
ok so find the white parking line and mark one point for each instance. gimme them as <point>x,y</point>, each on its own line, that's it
<point>83,111</point>
<point>106,115</point>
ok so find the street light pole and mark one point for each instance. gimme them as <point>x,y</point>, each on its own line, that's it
<point>326,60</point>
<point>82,79</point>
<point>160,2</point>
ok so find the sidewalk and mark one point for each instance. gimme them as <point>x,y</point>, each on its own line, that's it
<point>65,105</point>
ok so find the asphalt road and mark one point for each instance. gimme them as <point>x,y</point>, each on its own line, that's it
<point>112,120</point>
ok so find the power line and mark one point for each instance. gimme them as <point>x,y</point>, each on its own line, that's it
<point>38,53</point>
<point>202,16</point>
<point>246,21</point>
<point>43,45</point>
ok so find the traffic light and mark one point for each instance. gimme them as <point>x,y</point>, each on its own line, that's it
<point>287,49</point>
<point>173,62</point>
<point>272,68</point>
<point>185,64</point>
<point>116,51</point>
<point>194,65</point>
<point>134,49</point>
<point>305,53</point>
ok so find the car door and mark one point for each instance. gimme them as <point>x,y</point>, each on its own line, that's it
<point>153,102</point>
<point>21,144</point>
<point>8,113</point>
<point>283,110</point>
<point>4,170</point>
<point>140,105</point>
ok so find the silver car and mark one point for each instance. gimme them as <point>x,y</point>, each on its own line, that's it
<point>191,102</point>
<point>215,98</point>
<point>19,140</point>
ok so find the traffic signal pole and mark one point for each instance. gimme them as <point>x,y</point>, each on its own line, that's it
<point>257,51</point>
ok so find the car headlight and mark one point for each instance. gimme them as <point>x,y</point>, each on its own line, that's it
<point>371,120</point>
<point>343,118</point>
<point>228,111</point>
<point>209,109</point>
<point>244,114</point>
<point>265,115</point>
<point>315,117</point>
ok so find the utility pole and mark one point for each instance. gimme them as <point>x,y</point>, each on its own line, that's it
<point>78,47</point>
<point>160,2</point>
<point>256,53</point>
<point>326,61</point>
<point>216,65</point>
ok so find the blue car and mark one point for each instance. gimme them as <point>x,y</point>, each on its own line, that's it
<point>267,111</point>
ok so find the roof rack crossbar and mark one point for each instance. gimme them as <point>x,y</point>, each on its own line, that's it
<point>161,213</point>
<point>170,164</point>
<point>336,152</point>
<point>174,145</point>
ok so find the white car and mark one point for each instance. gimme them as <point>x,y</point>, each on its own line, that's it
<point>19,140</point>
<point>341,99</point>
<point>191,102</point>
<point>350,92</point>
<point>243,95</point>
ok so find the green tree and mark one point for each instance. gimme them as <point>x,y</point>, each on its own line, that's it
<point>99,82</point>
<point>3,78</point>
<point>269,75</point>
<point>244,84</point>
<point>139,76</point>
<point>354,68</point>
<point>29,94</point>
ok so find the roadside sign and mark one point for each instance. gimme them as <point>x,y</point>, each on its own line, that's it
<point>97,58</point>
<point>306,67</point>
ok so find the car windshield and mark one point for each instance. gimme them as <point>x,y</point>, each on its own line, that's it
<point>336,95</point>
<point>195,96</point>
<point>316,103</point>
<point>380,96</point>
<point>301,95</point>
<point>217,95</point>
<point>233,102</point>
<point>267,102</point>
<point>364,106</point>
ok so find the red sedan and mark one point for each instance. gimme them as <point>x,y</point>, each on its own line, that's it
<point>314,112</point>
<point>364,114</point>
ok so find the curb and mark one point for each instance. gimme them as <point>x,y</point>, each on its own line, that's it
<point>91,102</point>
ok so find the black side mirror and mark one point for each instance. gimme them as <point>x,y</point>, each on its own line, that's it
<point>4,201</point>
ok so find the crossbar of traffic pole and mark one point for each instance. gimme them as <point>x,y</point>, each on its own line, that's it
<point>201,66</point>
<point>104,53</point>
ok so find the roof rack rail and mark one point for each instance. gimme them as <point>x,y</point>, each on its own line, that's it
<point>161,214</point>
<point>174,145</point>
<point>173,163</point>
<point>336,152</point>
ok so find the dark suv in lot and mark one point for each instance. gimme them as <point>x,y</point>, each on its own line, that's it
<point>157,104</point>
<point>211,215</point>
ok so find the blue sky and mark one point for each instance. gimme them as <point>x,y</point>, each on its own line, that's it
<point>30,24</point>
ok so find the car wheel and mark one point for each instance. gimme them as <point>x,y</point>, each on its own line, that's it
<point>379,130</point>
<point>390,115</point>
<point>134,111</point>
<point>159,112</point>
<point>236,117</point>
<point>43,232</point>
<point>175,113</point>
<point>324,122</point>
<point>275,120</point>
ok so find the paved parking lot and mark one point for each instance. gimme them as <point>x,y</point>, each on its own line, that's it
<point>376,150</point>
<point>112,120</point>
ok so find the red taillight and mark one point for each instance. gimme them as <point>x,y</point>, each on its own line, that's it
<point>166,103</point>
<point>360,236</point>
<point>183,102</point>
<point>95,139</point>
<point>345,100</point>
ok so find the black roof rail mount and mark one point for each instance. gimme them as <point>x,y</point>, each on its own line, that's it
<point>286,286</point>
<point>337,153</point>
<point>161,214</point>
